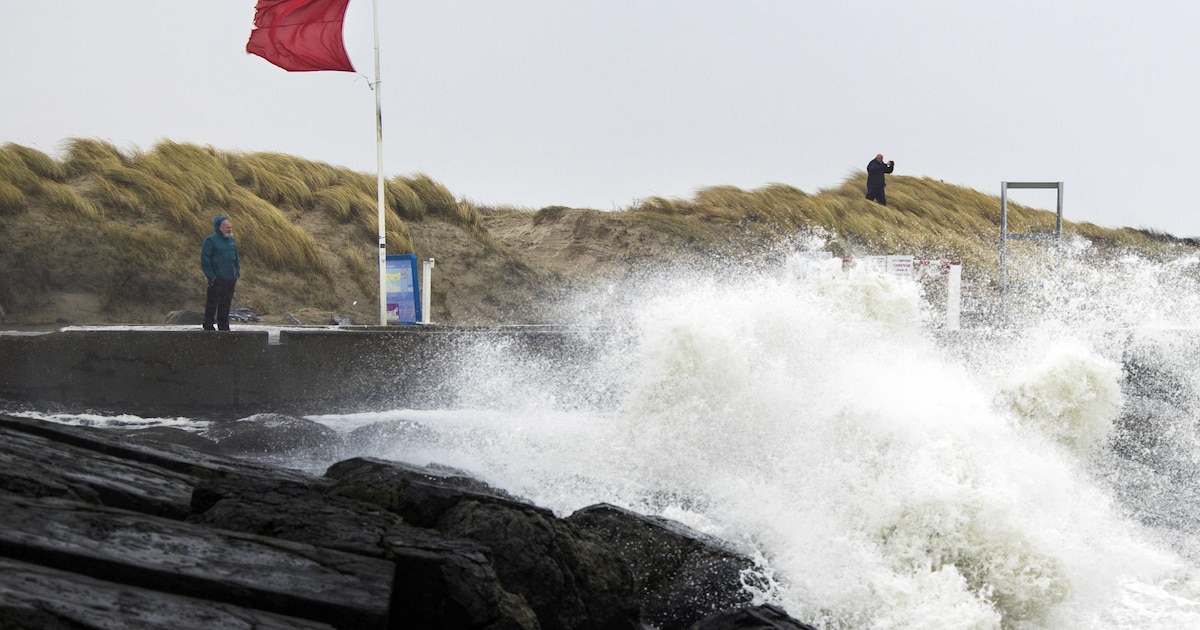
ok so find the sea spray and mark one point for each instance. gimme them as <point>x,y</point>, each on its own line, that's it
<point>1087,291</point>
<point>1073,396</point>
<point>849,421</point>
<point>814,422</point>
<point>884,475</point>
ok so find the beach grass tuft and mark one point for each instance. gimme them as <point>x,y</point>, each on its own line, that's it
<point>130,222</point>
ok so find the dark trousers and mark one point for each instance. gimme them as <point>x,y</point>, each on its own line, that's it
<point>216,303</point>
<point>876,195</point>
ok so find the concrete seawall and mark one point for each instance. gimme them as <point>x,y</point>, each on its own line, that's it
<point>157,372</point>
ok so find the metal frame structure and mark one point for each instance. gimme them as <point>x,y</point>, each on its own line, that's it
<point>1055,236</point>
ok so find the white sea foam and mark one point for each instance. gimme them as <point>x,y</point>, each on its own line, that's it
<point>884,479</point>
<point>112,421</point>
<point>883,476</point>
<point>1073,396</point>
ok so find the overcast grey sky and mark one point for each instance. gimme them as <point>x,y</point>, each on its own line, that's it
<point>599,104</point>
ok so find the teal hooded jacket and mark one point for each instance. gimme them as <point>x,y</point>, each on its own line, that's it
<point>219,255</point>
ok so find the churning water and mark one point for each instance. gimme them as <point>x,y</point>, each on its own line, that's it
<point>884,473</point>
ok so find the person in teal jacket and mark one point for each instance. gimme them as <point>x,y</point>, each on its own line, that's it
<point>219,260</point>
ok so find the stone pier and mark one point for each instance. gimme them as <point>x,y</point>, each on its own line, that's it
<point>155,371</point>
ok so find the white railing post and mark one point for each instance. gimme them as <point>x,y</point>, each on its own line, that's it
<point>954,297</point>
<point>426,288</point>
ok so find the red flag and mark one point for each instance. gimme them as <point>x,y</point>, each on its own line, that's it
<point>300,35</point>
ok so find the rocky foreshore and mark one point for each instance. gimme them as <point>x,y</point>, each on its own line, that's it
<point>167,529</point>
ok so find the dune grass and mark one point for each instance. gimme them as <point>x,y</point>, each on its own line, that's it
<point>38,163</point>
<point>274,178</point>
<point>133,220</point>
<point>144,268</point>
<point>12,200</point>
<point>88,155</point>
<point>924,217</point>
<point>408,204</point>
<point>16,173</point>
<point>266,236</point>
<point>147,211</point>
<point>440,202</point>
<point>350,204</point>
<point>362,273</point>
<point>63,198</point>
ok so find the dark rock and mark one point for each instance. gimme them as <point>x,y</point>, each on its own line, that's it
<point>378,439</point>
<point>276,435</point>
<point>125,528</point>
<point>440,582</point>
<point>66,321</point>
<point>161,437</point>
<point>765,617</point>
<point>681,575</point>
<point>194,318</point>
<point>419,495</point>
<point>114,443</point>
<point>37,467</point>
<point>34,596</point>
<point>3,315</point>
<point>153,562</point>
<point>185,318</point>
<point>147,552</point>
<point>97,467</point>
<point>296,510</point>
<point>452,585</point>
<point>242,314</point>
<point>571,579</point>
<point>339,319</point>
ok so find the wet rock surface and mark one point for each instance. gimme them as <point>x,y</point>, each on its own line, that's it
<point>681,576</point>
<point>142,529</point>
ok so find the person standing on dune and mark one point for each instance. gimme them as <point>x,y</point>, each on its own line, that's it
<point>875,184</point>
<point>219,261</point>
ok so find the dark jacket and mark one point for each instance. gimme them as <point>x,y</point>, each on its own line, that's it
<point>875,171</point>
<point>219,255</point>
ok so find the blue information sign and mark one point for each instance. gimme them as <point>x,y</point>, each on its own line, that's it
<point>403,297</point>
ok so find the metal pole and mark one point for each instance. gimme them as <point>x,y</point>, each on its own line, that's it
<point>1058,249</point>
<point>379,175</point>
<point>1003,243</point>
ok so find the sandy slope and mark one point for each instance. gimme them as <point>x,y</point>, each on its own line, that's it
<point>516,269</point>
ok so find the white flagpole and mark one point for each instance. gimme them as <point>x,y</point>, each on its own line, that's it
<point>379,176</point>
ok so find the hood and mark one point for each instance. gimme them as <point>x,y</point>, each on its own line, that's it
<point>217,223</point>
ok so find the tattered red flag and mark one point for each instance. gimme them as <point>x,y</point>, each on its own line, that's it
<point>300,35</point>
